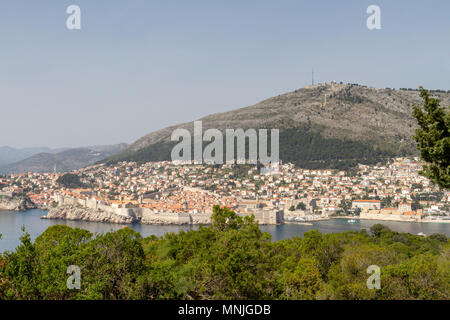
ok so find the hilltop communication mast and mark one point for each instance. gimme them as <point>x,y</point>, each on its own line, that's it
<point>312,77</point>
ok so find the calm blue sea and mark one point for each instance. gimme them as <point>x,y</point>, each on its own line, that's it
<point>12,222</point>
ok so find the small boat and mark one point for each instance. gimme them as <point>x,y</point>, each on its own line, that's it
<point>351,221</point>
<point>305,223</point>
<point>421,234</point>
<point>124,226</point>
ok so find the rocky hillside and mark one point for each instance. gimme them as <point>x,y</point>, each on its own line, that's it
<point>322,126</point>
<point>16,204</point>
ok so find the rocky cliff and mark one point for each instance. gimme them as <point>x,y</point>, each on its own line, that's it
<point>144,216</point>
<point>86,214</point>
<point>16,204</point>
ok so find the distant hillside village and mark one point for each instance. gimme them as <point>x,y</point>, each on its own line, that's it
<point>186,193</point>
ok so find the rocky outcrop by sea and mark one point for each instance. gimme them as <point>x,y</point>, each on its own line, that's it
<point>77,212</point>
<point>16,204</point>
<point>86,214</point>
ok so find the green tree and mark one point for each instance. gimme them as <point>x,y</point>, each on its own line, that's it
<point>300,206</point>
<point>111,265</point>
<point>345,206</point>
<point>348,276</point>
<point>21,269</point>
<point>378,229</point>
<point>387,202</point>
<point>421,277</point>
<point>224,218</point>
<point>303,281</point>
<point>70,180</point>
<point>57,249</point>
<point>433,139</point>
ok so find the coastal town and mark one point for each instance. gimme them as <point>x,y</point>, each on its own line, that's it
<point>153,191</point>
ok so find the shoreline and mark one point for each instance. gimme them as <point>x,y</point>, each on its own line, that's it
<point>394,220</point>
<point>47,210</point>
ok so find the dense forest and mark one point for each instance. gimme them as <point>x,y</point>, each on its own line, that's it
<point>230,259</point>
<point>302,146</point>
<point>310,150</point>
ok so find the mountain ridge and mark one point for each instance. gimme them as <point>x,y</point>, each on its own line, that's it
<point>66,160</point>
<point>10,155</point>
<point>323,126</point>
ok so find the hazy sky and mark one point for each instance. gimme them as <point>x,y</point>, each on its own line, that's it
<point>137,66</point>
